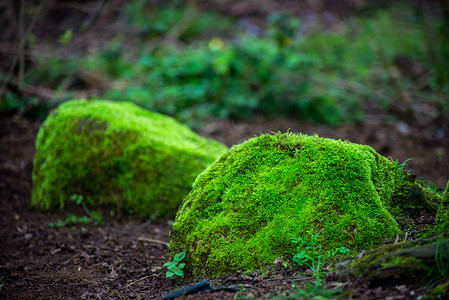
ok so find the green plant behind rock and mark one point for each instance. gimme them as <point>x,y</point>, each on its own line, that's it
<point>247,205</point>
<point>118,154</point>
<point>91,216</point>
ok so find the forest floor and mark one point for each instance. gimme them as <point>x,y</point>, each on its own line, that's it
<point>124,258</point>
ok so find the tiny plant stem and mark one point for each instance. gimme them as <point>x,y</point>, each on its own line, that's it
<point>22,41</point>
<point>86,209</point>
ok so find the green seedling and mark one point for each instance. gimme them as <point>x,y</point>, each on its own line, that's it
<point>94,217</point>
<point>442,257</point>
<point>308,291</point>
<point>399,169</point>
<point>175,267</point>
<point>237,295</point>
<point>1,284</point>
<point>312,256</point>
<point>428,184</point>
<point>442,263</point>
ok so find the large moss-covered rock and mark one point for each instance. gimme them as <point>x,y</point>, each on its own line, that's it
<point>119,154</point>
<point>245,208</point>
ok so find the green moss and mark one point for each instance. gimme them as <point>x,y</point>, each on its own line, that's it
<point>245,208</point>
<point>120,155</point>
<point>441,291</point>
<point>443,212</point>
<point>410,200</point>
<point>410,261</point>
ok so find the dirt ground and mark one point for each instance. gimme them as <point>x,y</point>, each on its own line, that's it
<point>124,258</point>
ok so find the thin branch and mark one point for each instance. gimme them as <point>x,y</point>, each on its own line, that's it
<point>134,282</point>
<point>48,94</point>
<point>93,16</point>
<point>143,239</point>
<point>289,278</point>
<point>21,45</point>
<point>183,24</point>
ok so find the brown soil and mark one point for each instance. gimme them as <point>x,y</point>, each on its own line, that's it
<point>124,258</point>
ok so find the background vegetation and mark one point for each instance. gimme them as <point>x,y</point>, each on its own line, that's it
<point>196,61</point>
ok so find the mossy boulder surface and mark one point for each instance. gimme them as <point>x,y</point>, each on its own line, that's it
<point>245,208</point>
<point>118,154</point>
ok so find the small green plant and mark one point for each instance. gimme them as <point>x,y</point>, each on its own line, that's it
<point>175,267</point>
<point>237,295</point>
<point>441,273</point>
<point>1,284</point>
<point>442,257</point>
<point>312,256</point>
<point>309,291</point>
<point>399,169</point>
<point>94,217</point>
<point>428,184</point>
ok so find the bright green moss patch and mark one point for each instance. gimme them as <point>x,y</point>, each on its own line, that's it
<point>245,208</point>
<point>119,154</point>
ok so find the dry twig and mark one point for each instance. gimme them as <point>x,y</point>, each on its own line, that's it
<point>144,239</point>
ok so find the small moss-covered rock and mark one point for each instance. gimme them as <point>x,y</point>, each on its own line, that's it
<point>119,154</point>
<point>245,208</point>
<point>420,261</point>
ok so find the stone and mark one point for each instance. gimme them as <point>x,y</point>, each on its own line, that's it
<point>120,155</point>
<point>418,262</point>
<point>247,206</point>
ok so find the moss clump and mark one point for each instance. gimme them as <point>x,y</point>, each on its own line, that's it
<point>119,154</point>
<point>419,261</point>
<point>245,208</point>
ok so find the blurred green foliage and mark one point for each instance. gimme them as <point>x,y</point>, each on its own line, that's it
<point>52,70</point>
<point>210,67</point>
<point>153,21</point>
<point>227,80</point>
